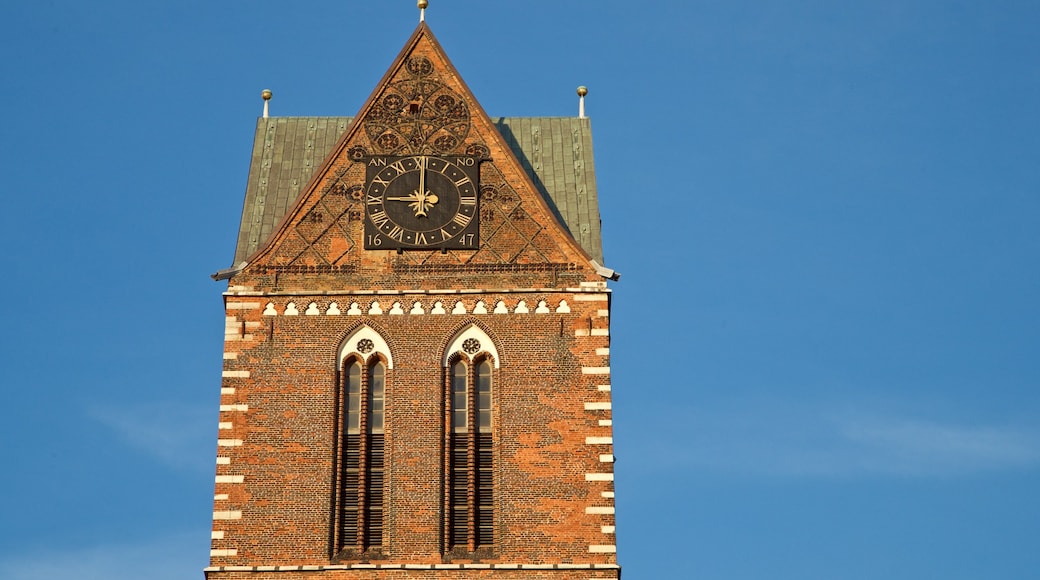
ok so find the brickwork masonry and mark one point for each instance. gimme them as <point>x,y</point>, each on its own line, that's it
<point>554,496</point>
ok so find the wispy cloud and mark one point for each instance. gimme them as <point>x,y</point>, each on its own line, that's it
<point>782,439</point>
<point>172,557</point>
<point>179,435</point>
<point>923,447</point>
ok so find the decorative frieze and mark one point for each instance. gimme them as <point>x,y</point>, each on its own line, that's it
<point>411,308</point>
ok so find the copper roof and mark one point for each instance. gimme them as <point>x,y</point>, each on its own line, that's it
<point>555,151</point>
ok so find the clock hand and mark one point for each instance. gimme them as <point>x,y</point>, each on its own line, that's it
<point>423,201</point>
<point>419,201</point>
<point>422,175</point>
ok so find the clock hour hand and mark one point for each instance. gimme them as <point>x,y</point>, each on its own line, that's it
<point>419,201</point>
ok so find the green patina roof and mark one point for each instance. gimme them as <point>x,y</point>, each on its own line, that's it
<point>555,151</point>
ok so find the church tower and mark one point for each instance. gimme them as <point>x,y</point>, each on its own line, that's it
<point>416,379</point>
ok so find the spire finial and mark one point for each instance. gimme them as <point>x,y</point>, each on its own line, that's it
<point>582,91</point>
<point>266,96</point>
<point>422,4</point>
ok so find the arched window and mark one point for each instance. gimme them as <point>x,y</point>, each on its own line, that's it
<point>470,499</point>
<point>361,479</point>
<point>360,486</point>
<point>351,458</point>
<point>373,524</point>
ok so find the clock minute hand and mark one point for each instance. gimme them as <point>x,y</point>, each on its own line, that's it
<point>423,160</point>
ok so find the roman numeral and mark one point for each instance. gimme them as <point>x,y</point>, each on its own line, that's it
<point>397,233</point>
<point>420,238</point>
<point>370,199</point>
<point>379,218</point>
<point>468,200</point>
<point>444,168</point>
<point>461,219</point>
<point>382,182</point>
<point>462,181</point>
<point>398,166</point>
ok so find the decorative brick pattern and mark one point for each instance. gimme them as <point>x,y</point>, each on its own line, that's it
<point>416,308</point>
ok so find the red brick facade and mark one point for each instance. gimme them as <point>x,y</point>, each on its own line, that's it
<point>540,308</point>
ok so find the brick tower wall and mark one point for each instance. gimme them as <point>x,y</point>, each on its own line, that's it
<point>553,480</point>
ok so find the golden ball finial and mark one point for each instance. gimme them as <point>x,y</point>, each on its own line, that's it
<point>266,94</point>
<point>582,91</point>
<point>422,4</point>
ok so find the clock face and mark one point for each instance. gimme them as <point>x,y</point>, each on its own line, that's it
<point>422,202</point>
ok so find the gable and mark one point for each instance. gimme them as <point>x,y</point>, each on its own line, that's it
<point>340,232</point>
<point>555,152</point>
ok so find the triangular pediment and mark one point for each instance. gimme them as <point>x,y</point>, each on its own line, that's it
<point>422,108</point>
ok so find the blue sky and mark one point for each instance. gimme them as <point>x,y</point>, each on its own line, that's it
<point>826,335</point>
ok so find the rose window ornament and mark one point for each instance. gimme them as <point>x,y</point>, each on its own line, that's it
<point>445,142</point>
<point>357,153</point>
<point>478,150</point>
<point>420,66</point>
<point>365,345</point>
<point>388,142</point>
<point>471,345</point>
<point>417,115</point>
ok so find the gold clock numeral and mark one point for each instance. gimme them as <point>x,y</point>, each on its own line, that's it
<point>398,166</point>
<point>420,238</point>
<point>468,200</point>
<point>371,199</point>
<point>397,233</point>
<point>461,219</point>
<point>462,181</point>
<point>380,181</point>
<point>379,218</point>
<point>444,235</point>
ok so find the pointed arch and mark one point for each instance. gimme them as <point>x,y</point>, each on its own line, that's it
<point>354,345</point>
<point>459,344</point>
